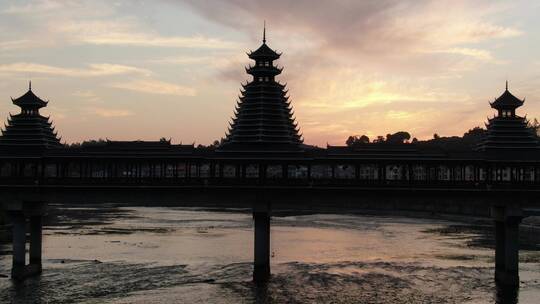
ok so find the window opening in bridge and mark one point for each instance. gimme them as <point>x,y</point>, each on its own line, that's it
<point>394,172</point>
<point>443,173</point>
<point>123,170</point>
<point>482,174</point>
<point>98,171</point>
<point>205,170</point>
<point>145,170</point>
<point>368,172</point>
<point>419,173</point>
<point>456,173</point>
<point>252,171</point>
<point>321,171</point>
<point>469,173</point>
<point>73,170</point>
<point>297,171</point>
<point>194,170</point>
<point>274,171</point>
<point>229,171</point>
<point>181,169</point>
<point>527,174</point>
<point>345,171</point>
<point>156,172</point>
<point>505,176</point>
<point>5,170</point>
<point>169,170</point>
<point>50,170</point>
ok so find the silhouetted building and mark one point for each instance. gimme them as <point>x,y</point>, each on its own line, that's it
<point>29,130</point>
<point>508,131</point>
<point>263,118</point>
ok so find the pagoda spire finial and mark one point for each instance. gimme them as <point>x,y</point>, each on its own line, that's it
<point>30,85</point>
<point>264,31</point>
<point>507,85</point>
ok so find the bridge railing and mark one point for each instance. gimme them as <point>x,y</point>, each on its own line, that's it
<point>240,182</point>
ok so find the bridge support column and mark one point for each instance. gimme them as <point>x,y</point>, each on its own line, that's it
<point>19,212</point>
<point>261,223</point>
<point>500,252</point>
<point>36,228</point>
<point>507,221</point>
<point>18,221</point>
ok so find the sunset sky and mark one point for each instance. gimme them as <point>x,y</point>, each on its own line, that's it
<point>127,69</point>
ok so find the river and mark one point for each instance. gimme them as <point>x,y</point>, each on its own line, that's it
<point>189,255</point>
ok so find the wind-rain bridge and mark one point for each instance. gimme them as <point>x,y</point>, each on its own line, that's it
<point>264,164</point>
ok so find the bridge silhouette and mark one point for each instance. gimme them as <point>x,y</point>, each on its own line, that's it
<point>263,164</point>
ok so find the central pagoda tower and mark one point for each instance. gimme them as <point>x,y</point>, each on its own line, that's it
<point>263,118</point>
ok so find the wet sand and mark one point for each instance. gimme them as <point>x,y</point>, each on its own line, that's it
<point>189,255</point>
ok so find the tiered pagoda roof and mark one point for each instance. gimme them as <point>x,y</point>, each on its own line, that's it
<point>508,131</point>
<point>263,118</point>
<point>29,129</point>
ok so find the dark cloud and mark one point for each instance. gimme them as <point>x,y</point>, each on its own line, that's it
<point>404,37</point>
<point>372,27</point>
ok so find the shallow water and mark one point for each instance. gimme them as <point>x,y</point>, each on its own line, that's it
<point>186,255</point>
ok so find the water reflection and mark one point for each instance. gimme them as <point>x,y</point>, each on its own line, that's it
<point>506,294</point>
<point>261,293</point>
<point>28,291</point>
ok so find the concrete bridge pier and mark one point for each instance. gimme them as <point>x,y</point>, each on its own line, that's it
<point>261,224</point>
<point>18,264</point>
<point>18,213</point>
<point>36,235</point>
<point>507,220</point>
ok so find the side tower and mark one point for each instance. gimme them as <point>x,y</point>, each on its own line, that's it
<point>29,129</point>
<point>507,131</point>
<point>263,118</point>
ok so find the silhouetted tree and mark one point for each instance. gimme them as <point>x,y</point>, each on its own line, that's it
<point>215,144</point>
<point>379,139</point>
<point>353,141</point>
<point>364,139</point>
<point>535,125</point>
<point>350,141</point>
<point>468,141</point>
<point>474,135</point>
<point>88,143</point>
<point>398,137</point>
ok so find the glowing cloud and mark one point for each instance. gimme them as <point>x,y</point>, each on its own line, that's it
<point>155,87</point>
<point>93,70</point>
<point>111,112</point>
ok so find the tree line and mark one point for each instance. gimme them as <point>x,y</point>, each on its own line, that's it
<point>469,140</point>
